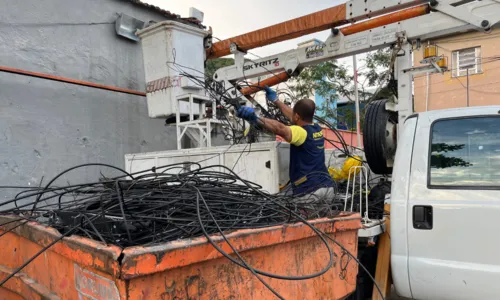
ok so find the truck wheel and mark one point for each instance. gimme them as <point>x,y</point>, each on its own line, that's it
<point>380,137</point>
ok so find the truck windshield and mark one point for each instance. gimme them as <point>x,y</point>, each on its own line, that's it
<point>465,152</point>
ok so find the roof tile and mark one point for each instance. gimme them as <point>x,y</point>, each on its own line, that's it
<point>168,14</point>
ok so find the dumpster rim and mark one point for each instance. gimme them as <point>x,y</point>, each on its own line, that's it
<point>139,261</point>
<point>132,262</point>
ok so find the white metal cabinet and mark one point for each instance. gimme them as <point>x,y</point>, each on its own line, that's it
<point>458,258</point>
<point>266,164</point>
<point>255,166</point>
<point>263,163</point>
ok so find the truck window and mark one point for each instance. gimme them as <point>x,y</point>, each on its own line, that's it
<point>465,153</point>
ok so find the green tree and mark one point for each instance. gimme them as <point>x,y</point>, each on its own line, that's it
<point>332,80</point>
<point>443,147</point>
<point>440,161</point>
<point>213,65</point>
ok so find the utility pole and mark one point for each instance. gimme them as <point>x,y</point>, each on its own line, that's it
<point>468,86</point>
<point>356,99</point>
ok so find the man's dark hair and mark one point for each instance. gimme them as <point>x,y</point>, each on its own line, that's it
<point>305,109</point>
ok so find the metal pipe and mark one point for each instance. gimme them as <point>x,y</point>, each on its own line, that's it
<point>427,92</point>
<point>356,101</point>
<point>69,80</point>
<point>467,86</point>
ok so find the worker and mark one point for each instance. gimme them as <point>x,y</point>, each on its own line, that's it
<point>309,176</point>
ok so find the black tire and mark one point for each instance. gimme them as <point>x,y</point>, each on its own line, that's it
<point>377,151</point>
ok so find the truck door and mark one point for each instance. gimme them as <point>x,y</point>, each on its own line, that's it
<point>454,205</point>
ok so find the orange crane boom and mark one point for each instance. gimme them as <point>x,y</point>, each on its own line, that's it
<point>322,20</point>
<point>402,15</point>
<point>318,21</point>
<point>271,81</point>
<point>355,28</point>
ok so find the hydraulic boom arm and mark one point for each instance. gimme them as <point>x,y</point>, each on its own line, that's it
<point>412,23</point>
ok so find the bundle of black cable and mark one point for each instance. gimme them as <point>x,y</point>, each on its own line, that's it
<point>157,206</point>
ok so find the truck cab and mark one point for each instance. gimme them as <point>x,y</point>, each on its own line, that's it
<point>445,201</point>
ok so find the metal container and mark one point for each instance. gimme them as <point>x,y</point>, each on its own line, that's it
<point>430,51</point>
<point>79,268</point>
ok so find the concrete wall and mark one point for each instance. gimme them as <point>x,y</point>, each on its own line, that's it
<point>46,126</point>
<point>446,91</point>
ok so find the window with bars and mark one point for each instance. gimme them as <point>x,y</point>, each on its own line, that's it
<point>466,59</point>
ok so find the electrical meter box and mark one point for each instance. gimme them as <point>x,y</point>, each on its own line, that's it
<point>171,50</point>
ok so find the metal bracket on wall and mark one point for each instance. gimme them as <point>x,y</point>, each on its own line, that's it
<point>126,26</point>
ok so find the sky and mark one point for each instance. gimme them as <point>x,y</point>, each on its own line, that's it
<point>230,18</point>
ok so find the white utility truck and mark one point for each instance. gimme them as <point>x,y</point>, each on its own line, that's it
<point>445,202</point>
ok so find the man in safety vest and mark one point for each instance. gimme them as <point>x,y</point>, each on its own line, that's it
<point>309,176</point>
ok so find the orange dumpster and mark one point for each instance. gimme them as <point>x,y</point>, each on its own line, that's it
<point>80,268</point>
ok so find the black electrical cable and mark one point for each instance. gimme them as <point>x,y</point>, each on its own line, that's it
<point>17,270</point>
<point>73,168</point>
<point>14,227</point>
<point>209,239</point>
<point>359,263</point>
<point>233,203</point>
<point>348,252</point>
<point>330,263</point>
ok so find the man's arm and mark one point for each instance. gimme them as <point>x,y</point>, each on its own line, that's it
<point>294,135</point>
<point>272,96</point>
<point>276,127</point>
<point>285,109</point>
